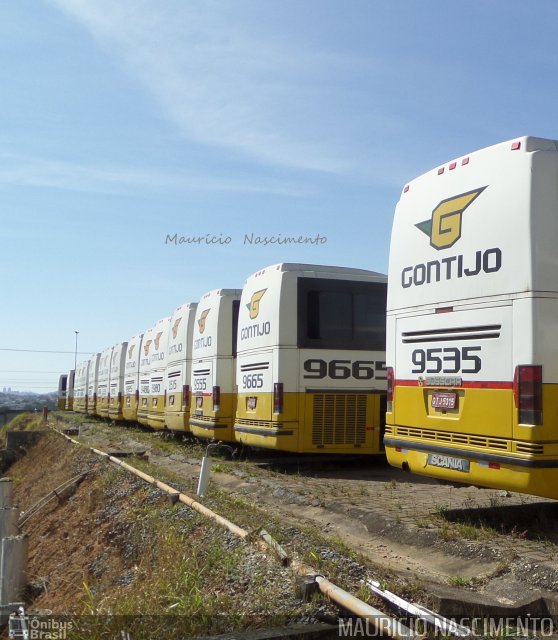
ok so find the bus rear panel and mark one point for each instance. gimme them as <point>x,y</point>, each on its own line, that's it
<point>213,365</point>
<point>134,353</point>
<point>179,366</point>
<point>311,360</point>
<point>472,306</point>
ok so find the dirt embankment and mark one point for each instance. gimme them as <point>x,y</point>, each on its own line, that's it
<point>115,548</point>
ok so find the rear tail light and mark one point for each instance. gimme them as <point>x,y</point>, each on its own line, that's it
<point>137,396</point>
<point>527,393</point>
<point>119,397</point>
<point>216,398</point>
<point>186,395</point>
<point>389,394</point>
<point>278,397</point>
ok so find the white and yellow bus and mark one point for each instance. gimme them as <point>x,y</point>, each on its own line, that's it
<point>103,381</point>
<point>151,411</point>
<point>311,359</point>
<point>69,406</point>
<point>179,368</point>
<point>62,391</point>
<point>144,377</point>
<point>134,353</point>
<point>472,310</point>
<point>116,380</point>
<point>92,382</point>
<point>213,365</point>
<point>81,381</point>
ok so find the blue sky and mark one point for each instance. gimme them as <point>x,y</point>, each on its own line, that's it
<point>122,122</point>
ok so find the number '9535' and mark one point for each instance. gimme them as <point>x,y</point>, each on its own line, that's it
<point>447,360</point>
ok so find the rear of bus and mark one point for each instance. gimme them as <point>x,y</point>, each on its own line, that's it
<point>134,353</point>
<point>70,390</point>
<point>116,380</point>
<point>144,378</point>
<point>472,302</point>
<point>157,377</point>
<point>92,384</point>
<point>179,368</point>
<point>103,383</point>
<point>80,387</point>
<point>62,391</point>
<point>213,365</point>
<point>311,360</point>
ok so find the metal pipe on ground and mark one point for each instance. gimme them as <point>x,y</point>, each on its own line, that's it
<point>193,504</point>
<point>382,621</point>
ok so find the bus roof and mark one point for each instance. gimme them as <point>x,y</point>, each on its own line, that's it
<point>311,269</point>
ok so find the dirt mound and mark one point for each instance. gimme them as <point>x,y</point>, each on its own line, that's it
<point>113,547</point>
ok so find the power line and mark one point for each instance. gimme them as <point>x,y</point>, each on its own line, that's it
<point>24,380</point>
<point>46,351</point>
<point>26,371</point>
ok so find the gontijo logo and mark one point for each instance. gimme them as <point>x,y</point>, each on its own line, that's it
<point>444,227</point>
<point>444,230</point>
<point>175,327</point>
<point>201,320</point>
<point>254,305</point>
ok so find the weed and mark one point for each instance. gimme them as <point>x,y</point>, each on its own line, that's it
<point>468,531</point>
<point>494,499</point>
<point>448,534</point>
<point>459,581</point>
<point>441,510</point>
<point>422,523</point>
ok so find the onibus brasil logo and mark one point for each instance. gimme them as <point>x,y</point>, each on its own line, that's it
<point>444,226</point>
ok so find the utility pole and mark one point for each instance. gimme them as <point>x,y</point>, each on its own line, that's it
<point>75,354</point>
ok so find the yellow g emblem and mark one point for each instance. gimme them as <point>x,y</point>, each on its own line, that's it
<point>175,327</point>
<point>201,320</point>
<point>157,338</point>
<point>130,351</point>
<point>254,305</point>
<point>444,227</point>
<point>147,346</point>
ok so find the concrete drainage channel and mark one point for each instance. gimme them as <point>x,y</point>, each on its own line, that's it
<point>13,554</point>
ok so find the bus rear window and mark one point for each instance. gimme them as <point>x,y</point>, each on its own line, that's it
<point>341,314</point>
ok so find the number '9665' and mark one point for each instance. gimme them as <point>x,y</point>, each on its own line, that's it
<point>447,360</point>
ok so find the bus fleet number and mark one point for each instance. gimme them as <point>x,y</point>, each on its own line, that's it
<point>253,381</point>
<point>446,360</point>
<point>343,369</point>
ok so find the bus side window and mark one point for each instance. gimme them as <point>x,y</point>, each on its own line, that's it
<point>370,319</point>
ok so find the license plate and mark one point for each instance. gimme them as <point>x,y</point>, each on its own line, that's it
<point>199,402</point>
<point>444,400</point>
<point>448,462</point>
